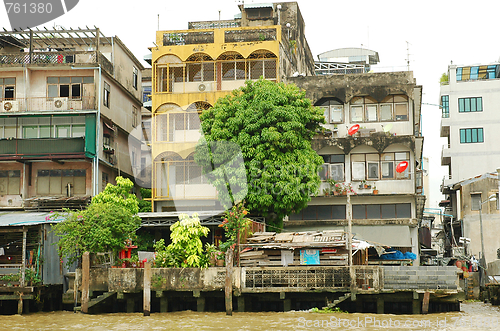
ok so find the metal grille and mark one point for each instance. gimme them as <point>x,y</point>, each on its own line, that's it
<point>297,277</point>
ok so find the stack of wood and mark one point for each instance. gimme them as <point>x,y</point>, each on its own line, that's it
<point>283,249</point>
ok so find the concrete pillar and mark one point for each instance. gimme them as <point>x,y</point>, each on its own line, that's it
<point>163,304</point>
<point>416,304</point>
<point>241,304</point>
<point>200,304</point>
<point>359,305</point>
<point>85,282</point>
<point>380,305</point>
<point>287,305</point>
<point>147,289</point>
<point>130,305</point>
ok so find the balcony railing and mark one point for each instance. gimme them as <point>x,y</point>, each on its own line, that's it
<point>59,58</point>
<point>42,148</point>
<point>47,104</point>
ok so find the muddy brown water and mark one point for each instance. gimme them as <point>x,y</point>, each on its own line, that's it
<point>473,316</point>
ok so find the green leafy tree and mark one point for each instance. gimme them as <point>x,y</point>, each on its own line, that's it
<point>108,222</point>
<point>145,205</point>
<point>273,124</point>
<point>186,249</point>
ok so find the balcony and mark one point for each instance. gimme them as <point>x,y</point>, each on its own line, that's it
<point>47,104</point>
<point>42,148</point>
<point>445,155</point>
<point>219,36</point>
<point>48,59</point>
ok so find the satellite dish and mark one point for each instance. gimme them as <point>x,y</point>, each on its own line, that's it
<point>388,127</point>
<point>401,166</point>
<point>353,129</point>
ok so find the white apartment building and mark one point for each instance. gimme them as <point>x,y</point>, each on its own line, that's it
<point>470,104</point>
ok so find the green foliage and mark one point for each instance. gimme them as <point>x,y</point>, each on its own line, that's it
<point>444,79</point>
<point>273,124</point>
<point>145,205</point>
<point>11,277</point>
<point>30,277</point>
<point>107,223</point>
<point>119,194</point>
<point>326,310</point>
<point>235,219</point>
<point>186,249</point>
<point>144,240</point>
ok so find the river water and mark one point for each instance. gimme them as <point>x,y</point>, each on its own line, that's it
<point>473,316</point>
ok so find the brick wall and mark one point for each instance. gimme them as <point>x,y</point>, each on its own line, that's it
<point>420,278</point>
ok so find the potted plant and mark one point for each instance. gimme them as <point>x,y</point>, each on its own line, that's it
<point>375,191</point>
<point>220,258</point>
<point>211,253</point>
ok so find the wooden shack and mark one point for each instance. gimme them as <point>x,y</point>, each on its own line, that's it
<point>322,248</point>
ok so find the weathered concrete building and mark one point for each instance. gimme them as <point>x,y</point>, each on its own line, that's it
<point>193,68</point>
<point>68,101</point>
<point>465,199</point>
<point>469,102</point>
<point>388,204</point>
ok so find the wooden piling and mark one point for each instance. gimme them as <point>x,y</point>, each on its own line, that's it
<point>425,303</point>
<point>85,282</point>
<point>229,283</point>
<point>147,289</point>
<point>20,304</point>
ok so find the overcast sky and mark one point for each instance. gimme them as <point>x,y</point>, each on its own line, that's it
<point>438,31</point>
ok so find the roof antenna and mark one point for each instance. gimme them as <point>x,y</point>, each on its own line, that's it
<point>408,55</point>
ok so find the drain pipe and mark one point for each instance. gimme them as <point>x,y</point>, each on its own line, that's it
<point>95,171</point>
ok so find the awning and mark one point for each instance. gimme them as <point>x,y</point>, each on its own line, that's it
<point>258,5</point>
<point>26,218</point>
<point>385,235</point>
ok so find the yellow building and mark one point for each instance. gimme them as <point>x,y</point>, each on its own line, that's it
<point>193,68</point>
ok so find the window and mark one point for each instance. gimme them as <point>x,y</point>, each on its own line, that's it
<point>65,87</point>
<point>333,168</point>
<point>333,110</point>
<point>478,72</point>
<point>392,108</point>
<point>188,172</point>
<point>7,88</point>
<point>56,127</point>
<point>445,106</point>
<point>105,180</point>
<point>365,166</point>
<point>328,212</point>
<point>107,92</point>
<point>381,211</point>
<point>466,105</point>
<point>135,116</point>
<point>10,181</point>
<point>8,128</point>
<point>374,166</point>
<point>475,201</point>
<point>146,93</point>
<point>135,77</point>
<point>61,182</point>
<point>471,136</point>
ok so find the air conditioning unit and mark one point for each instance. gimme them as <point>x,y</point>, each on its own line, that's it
<point>10,105</point>
<point>205,87</point>
<point>61,103</point>
<point>202,87</point>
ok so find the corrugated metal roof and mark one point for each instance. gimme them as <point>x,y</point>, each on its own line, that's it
<point>25,218</point>
<point>258,5</point>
